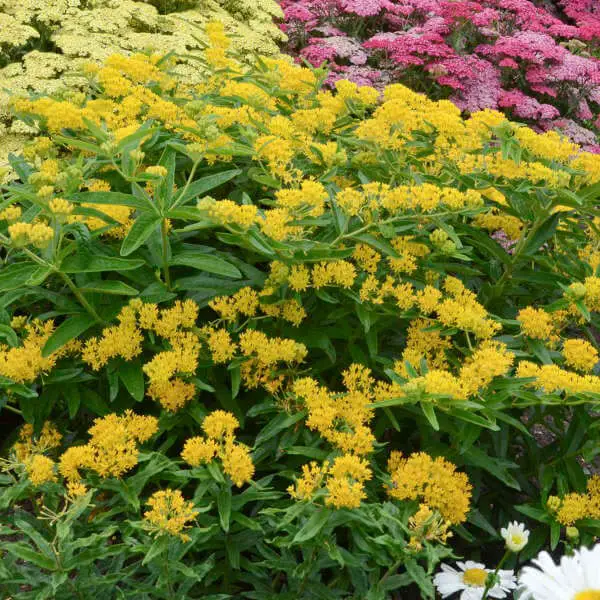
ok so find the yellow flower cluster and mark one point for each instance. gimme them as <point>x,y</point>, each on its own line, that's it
<point>164,369</point>
<point>592,293</point>
<point>263,355</point>
<point>376,197</point>
<point>427,525</point>
<point>432,481</point>
<point>536,323</point>
<point>423,343</point>
<point>40,469</point>
<point>222,348</point>
<point>573,507</point>
<point>244,303</point>
<point>123,340</point>
<point>11,213</point>
<point>551,378</point>
<point>170,513</point>
<point>459,309</point>
<point>311,481</point>
<point>494,220</point>
<point>220,442</point>
<point>342,419</point>
<point>343,481</point>
<point>39,235</point>
<point>112,449</point>
<point>29,444</point>
<point>579,355</point>
<point>227,212</point>
<point>309,199</point>
<point>24,363</point>
<point>30,450</point>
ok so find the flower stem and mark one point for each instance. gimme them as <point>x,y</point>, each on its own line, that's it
<point>77,293</point>
<point>165,253</point>
<point>491,582</point>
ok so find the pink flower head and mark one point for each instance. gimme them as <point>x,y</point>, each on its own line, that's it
<point>525,106</point>
<point>363,8</point>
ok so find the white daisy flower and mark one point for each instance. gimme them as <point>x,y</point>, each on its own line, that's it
<point>471,581</point>
<point>515,536</point>
<point>576,577</point>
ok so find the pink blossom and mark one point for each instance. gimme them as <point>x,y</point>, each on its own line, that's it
<point>504,241</point>
<point>583,110</point>
<point>544,89</point>
<point>481,89</point>
<point>525,106</point>
<point>576,133</point>
<point>526,57</point>
<point>363,8</point>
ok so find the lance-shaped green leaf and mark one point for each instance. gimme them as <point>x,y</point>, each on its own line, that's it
<point>205,184</point>
<point>143,227</point>
<point>208,263</point>
<point>67,331</point>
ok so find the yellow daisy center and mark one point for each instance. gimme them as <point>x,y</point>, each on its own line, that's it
<point>478,576</point>
<point>588,595</point>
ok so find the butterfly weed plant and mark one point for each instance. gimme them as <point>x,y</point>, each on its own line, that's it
<point>262,339</point>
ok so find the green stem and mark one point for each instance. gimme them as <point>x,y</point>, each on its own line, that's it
<point>522,243</point>
<point>365,228</point>
<point>187,185</point>
<point>13,409</point>
<point>490,584</point>
<point>390,571</point>
<point>77,293</point>
<point>307,572</point>
<point>165,253</point>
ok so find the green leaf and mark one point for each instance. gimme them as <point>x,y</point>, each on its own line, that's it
<point>277,424</point>
<point>224,507</point>
<point>205,184</point>
<point>208,263</point>
<point>542,234</point>
<point>430,415</point>
<point>117,198</point>
<point>9,335</point>
<point>159,547</point>
<point>132,376</point>
<point>112,287</point>
<point>236,379</point>
<point>24,552</point>
<point>143,227</point>
<point>86,263</point>
<point>73,397</point>
<point>36,537</point>
<point>420,577</point>
<point>313,526</point>
<point>67,331</point>
<point>13,276</point>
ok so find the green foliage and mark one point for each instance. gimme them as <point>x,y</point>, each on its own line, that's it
<point>345,240</point>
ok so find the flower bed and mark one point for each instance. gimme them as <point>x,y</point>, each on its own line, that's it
<point>261,342</point>
<point>45,43</point>
<point>536,62</point>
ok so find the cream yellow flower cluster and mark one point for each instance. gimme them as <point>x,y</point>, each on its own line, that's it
<point>220,442</point>
<point>112,449</point>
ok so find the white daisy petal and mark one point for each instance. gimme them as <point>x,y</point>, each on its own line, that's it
<point>574,574</point>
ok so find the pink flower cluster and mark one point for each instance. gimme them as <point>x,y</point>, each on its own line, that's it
<point>537,61</point>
